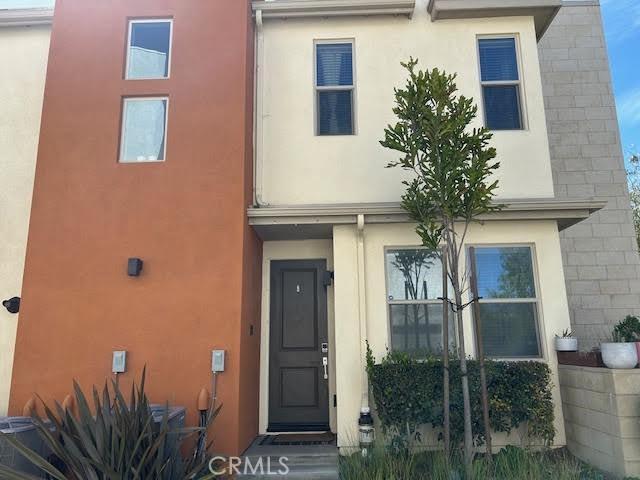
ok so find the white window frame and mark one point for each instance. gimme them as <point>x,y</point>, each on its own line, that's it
<point>170,53</point>
<point>387,250</point>
<point>317,89</point>
<point>519,83</point>
<point>123,123</point>
<point>536,300</point>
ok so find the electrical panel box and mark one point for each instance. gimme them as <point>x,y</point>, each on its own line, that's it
<point>119,364</point>
<point>217,361</point>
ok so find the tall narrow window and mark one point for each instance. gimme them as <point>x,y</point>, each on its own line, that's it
<point>509,302</point>
<point>144,127</point>
<point>334,88</point>
<point>414,283</point>
<point>149,49</point>
<point>500,78</point>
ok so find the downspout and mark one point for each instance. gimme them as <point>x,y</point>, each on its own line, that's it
<point>362,314</point>
<point>258,108</point>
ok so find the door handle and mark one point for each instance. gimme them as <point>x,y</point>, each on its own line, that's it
<point>325,364</point>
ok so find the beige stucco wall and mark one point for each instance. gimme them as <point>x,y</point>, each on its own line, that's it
<point>554,315</point>
<point>351,169</point>
<point>23,60</point>
<point>293,250</point>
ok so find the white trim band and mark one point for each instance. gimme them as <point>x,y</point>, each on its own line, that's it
<point>25,17</point>
<point>332,8</point>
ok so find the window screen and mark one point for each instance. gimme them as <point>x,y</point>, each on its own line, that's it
<point>509,304</point>
<point>334,88</point>
<point>149,49</point>
<point>500,83</point>
<point>144,129</point>
<point>414,283</point>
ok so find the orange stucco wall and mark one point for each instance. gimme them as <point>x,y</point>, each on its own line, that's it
<point>184,217</point>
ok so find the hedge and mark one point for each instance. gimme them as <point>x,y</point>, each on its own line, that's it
<point>408,394</point>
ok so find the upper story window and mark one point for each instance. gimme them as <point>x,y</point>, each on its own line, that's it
<point>149,49</point>
<point>414,283</point>
<point>501,86</point>
<point>509,301</point>
<point>144,129</point>
<point>335,88</point>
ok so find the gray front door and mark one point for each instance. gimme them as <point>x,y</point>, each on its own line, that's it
<point>298,389</point>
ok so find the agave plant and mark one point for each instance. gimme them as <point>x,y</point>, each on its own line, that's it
<point>120,442</point>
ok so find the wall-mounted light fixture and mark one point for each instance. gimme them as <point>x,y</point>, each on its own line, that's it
<point>134,267</point>
<point>12,305</point>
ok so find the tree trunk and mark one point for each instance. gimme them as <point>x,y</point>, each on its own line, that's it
<point>468,434</point>
<point>480,353</point>
<point>445,360</point>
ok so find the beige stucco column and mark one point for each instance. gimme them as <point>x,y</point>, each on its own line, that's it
<point>349,365</point>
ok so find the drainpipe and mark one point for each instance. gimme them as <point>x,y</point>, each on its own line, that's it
<point>362,314</point>
<point>258,109</point>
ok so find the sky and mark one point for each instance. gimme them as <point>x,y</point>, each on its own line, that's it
<point>622,29</point>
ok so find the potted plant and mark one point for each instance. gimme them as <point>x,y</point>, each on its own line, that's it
<point>566,342</point>
<point>629,331</point>
<point>618,353</point>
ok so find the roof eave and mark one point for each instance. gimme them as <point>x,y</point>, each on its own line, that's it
<point>280,222</point>
<point>543,11</point>
<point>332,8</point>
<point>25,17</point>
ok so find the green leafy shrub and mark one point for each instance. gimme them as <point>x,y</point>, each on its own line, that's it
<point>408,394</point>
<point>121,442</point>
<point>628,330</point>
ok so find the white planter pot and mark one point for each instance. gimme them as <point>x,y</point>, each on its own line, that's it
<point>619,355</point>
<point>566,344</point>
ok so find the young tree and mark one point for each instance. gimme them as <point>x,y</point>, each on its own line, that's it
<point>634,191</point>
<point>451,166</point>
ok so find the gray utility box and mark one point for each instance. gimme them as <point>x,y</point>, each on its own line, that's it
<point>23,429</point>
<point>176,419</point>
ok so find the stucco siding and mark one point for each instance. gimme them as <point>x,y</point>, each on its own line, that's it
<point>348,169</point>
<point>600,255</point>
<point>23,55</point>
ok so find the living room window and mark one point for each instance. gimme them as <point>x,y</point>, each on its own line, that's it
<point>149,49</point>
<point>144,129</point>
<point>509,305</point>
<point>334,87</point>
<point>501,84</point>
<point>414,283</point>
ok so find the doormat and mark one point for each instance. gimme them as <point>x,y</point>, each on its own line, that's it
<point>326,438</point>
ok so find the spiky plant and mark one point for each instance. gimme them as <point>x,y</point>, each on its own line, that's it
<point>118,440</point>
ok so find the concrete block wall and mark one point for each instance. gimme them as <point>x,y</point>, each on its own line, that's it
<point>600,255</point>
<point>602,417</point>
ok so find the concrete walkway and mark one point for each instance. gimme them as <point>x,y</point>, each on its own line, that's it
<point>291,462</point>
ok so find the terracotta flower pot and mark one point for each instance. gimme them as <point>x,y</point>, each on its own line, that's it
<point>619,355</point>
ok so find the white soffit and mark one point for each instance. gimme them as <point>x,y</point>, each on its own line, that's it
<point>543,11</point>
<point>305,221</point>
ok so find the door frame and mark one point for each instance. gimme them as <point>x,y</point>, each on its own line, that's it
<point>297,359</point>
<point>293,250</point>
